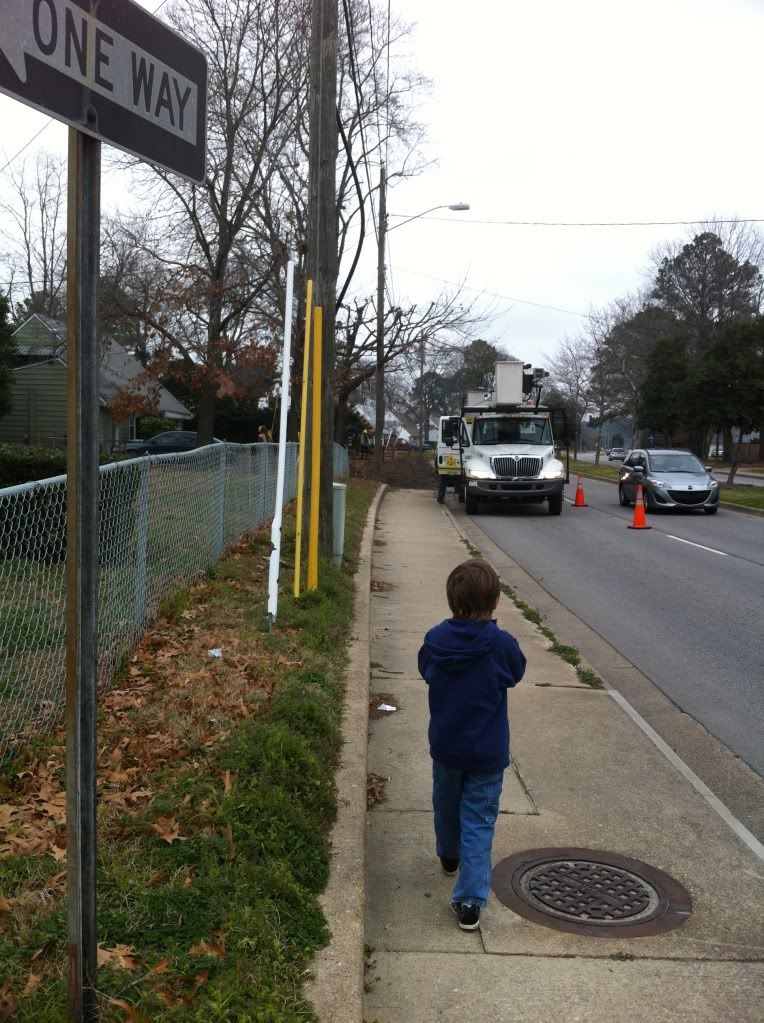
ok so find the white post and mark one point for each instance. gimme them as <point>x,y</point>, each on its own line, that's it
<point>273,568</point>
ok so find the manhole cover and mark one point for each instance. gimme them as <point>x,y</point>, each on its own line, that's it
<point>587,891</point>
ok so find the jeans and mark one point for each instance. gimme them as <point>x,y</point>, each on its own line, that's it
<point>442,483</point>
<point>466,805</point>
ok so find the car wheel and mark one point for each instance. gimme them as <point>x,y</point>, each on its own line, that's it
<point>471,505</point>
<point>711,509</point>
<point>622,498</point>
<point>555,504</point>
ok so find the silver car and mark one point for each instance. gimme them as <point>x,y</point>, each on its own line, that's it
<point>671,478</point>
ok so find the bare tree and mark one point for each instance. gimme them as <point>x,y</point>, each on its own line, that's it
<point>440,326</point>
<point>570,369</point>
<point>35,236</point>
<point>216,251</point>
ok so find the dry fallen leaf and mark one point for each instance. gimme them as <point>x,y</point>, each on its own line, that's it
<point>203,948</point>
<point>33,982</point>
<point>161,967</point>
<point>227,782</point>
<point>121,955</point>
<point>5,906</point>
<point>168,829</point>
<point>126,1006</point>
<point>228,831</point>
<point>7,1003</point>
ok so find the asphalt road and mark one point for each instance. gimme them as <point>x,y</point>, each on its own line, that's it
<point>683,601</point>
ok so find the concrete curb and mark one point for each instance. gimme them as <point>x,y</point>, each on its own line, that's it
<point>336,986</point>
<point>723,505</point>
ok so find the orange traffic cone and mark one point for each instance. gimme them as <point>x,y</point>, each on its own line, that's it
<point>640,519</point>
<point>580,501</point>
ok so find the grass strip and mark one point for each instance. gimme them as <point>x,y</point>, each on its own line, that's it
<point>563,650</point>
<point>216,793</point>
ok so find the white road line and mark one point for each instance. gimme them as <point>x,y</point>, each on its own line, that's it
<point>700,787</point>
<point>712,550</point>
<point>567,500</point>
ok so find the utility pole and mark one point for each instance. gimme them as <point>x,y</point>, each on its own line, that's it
<point>379,377</point>
<point>422,408</point>
<point>322,235</point>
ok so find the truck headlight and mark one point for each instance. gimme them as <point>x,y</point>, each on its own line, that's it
<point>479,472</point>
<point>552,471</point>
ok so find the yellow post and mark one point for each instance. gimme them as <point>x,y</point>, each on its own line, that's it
<point>303,433</point>
<point>315,462</point>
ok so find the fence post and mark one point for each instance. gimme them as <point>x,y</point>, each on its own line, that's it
<point>220,537</point>
<point>142,542</point>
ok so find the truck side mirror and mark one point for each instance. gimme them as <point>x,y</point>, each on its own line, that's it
<point>449,431</point>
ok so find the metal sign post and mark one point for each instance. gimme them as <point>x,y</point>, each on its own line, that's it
<point>111,71</point>
<point>83,253</point>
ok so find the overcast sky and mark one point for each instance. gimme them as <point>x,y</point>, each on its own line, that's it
<point>557,110</point>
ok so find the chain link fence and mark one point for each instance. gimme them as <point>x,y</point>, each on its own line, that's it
<point>164,520</point>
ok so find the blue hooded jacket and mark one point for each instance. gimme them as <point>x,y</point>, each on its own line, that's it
<point>468,667</point>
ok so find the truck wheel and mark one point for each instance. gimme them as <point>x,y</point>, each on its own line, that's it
<point>555,504</point>
<point>472,505</point>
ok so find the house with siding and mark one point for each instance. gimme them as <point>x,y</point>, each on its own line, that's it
<point>38,395</point>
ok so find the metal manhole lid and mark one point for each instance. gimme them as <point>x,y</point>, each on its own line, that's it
<point>589,891</point>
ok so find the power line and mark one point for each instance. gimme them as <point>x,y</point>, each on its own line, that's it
<point>26,145</point>
<point>495,294</point>
<point>593,223</point>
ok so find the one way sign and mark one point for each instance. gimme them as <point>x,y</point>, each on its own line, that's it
<point>110,69</point>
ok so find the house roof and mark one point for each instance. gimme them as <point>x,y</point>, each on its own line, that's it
<point>118,369</point>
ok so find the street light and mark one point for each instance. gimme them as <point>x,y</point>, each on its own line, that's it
<point>458,207</point>
<point>379,377</point>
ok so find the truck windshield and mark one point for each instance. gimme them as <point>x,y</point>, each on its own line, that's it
<point>511,430</point>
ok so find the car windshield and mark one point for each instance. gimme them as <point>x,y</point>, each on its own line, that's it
<point>676,461</point>
<point>512,430</point>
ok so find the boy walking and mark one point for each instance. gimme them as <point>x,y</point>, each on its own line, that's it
<point>469,663</point>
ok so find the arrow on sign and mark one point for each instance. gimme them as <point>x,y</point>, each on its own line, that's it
<point>12,48</point>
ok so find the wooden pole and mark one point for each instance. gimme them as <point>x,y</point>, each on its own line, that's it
<point>315,468</point>
<point>379,376</point>
<point>303,438</point>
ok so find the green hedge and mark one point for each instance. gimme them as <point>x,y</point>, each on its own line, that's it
<point>22,464</point>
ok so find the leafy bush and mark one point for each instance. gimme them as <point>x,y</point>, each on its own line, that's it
<point>22,464</point>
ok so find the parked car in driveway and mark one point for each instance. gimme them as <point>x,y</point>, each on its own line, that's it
<point>670,477</point>
<point>616,454</point>
<point>167,443</point>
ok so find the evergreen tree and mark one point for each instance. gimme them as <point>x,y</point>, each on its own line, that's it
<point>7,357</point>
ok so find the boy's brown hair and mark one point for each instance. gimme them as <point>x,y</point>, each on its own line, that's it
<point>472,590</point>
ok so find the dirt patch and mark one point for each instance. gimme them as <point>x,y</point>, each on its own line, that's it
<point>377,700</point>
<point>375,790</point>
<point>377,586</point>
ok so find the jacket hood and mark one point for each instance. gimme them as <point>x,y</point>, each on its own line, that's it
<point>458,640</point>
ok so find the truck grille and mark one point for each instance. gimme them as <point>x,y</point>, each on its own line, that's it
<point>689,496</point>
<point>512,466</point>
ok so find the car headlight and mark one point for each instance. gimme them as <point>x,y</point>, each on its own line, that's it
<point>714,483</point>
<point>479,472</point>
<point>552,471</point>
<point>656,483</point>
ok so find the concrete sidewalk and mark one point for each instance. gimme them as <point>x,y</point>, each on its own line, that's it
<point>584,776</point>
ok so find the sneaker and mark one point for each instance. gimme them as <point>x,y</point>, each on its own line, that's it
<point>449,866</point>
<point>468,916</point>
